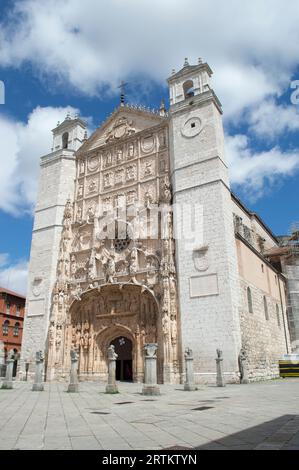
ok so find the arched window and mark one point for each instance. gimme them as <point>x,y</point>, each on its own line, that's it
<point>266,308</point>
<point>278,315</point>
<point>65,140</point>
<point>5,328</point>
<point>16,329</point>
<point>188,89</point>
<point>249,300</point>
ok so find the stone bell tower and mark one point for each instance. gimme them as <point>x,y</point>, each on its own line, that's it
<point>205,244</point>
<point>56,185</point>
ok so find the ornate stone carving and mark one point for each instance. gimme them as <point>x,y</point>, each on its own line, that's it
<point>93,163</point>
<point>37,286</point>
<point>148,143</point>
<point>121,127</point>
<point>200,258</point>
<point>108,179</point>
<point>131,172</point>
<point>80,190</point>
<point>131,150</point>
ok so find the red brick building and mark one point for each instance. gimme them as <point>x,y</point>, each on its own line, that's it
<point>12,309</point>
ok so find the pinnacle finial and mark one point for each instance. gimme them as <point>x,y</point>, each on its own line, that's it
<point>173,72</point>
<point>186,63</point>
<point>199,60</point>
<point>162,110</point>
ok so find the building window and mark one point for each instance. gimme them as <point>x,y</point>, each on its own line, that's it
<point>7,308</point>
<point>262,266</point>
<point>278,316</point>
<point>188,89</point>
<point>18,310</point>
<point>16,329</point>
<point>65,140</point>
<point>249,300</point>
<point>266,308</point>
<point>5,328</point>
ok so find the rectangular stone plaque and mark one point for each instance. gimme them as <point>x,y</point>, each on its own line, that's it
<point>201,286</point>
<point>36,308</point>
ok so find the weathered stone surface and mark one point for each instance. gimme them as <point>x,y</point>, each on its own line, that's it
<point>111,387</point>
<point>73,386</point>
<point>150,386</point>
<point>38,385</point>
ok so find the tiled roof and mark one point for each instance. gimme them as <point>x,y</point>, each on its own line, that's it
<point>11,292</point>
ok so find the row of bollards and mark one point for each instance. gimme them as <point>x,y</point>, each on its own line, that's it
<point>150,386</point>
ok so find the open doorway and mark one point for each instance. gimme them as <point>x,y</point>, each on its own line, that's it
<point>124,363</point>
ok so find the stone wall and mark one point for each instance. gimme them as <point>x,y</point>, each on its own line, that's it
<point>264,340</point>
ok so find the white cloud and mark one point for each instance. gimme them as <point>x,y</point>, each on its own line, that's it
<point>22,145</point>
<point>270,120</point>
<point>254,172</point>
<point>91,46</point>
<point>13,276</point>
<point>252,46</point>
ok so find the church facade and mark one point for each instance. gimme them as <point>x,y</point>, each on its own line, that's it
<point>138,239</point>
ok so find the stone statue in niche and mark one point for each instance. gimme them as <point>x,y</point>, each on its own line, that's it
<point>166,190</point>
<point>109,268</point>
<point>82,166</point>
<point>119,155</point>
<point>148,169</point>
<point>148,200</point>
<point>107,180</point>
<point>79,215</point>
<point>73,265</point>
<point>131,150</point>
<point>90,215</point>
<point>133,266</point>
<point>92,186</point>
<point>80,190</point>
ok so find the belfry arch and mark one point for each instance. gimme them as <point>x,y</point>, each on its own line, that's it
<point>114,311</point>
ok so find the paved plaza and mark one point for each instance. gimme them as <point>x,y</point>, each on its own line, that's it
<point>261,415</point>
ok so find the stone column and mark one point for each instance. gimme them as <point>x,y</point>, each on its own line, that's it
<point>243,367</point>
<point>219,368</point>
<point>111,387</point>
<point>7,382</point>
<point>73,385</point>
<point>189,383</point>
<point>38,385</point>
<point>150,386</point>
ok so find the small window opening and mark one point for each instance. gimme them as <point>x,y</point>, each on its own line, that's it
<point>65,140</point>
<point>188,89</point>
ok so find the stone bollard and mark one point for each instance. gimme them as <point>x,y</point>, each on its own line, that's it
<point>189,384</point>
<point>243,367</point>
<point>7,382</point>
<point>38,385</point>
<point>219,368</point>
<point>150,386</point>
<point>111,387</point>
<point>74,385</point>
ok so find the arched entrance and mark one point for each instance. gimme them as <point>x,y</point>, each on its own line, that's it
<point>104,316</point>
<point>124,363</point>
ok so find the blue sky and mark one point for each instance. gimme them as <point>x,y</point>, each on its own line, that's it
<point>59,55</point>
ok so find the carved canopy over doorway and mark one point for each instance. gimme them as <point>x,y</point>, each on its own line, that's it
<point>104,314</point>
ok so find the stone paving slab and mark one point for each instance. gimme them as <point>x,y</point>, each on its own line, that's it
<point>258,416</point>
